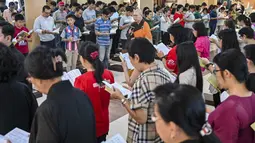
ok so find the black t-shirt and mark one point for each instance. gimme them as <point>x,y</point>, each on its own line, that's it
<point>79,22</point>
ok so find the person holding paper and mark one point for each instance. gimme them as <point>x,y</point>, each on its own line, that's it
<point>180,117</point>
<point>141,128</point>
<point>71,35</point>
<point>91,83</point>
<point>18,103</point>
<point>22,41</point>
<point>44,26</point>
<point>178,16</point>
<point>232,119</point>
<point>67,114</point>
<point>189,17</point>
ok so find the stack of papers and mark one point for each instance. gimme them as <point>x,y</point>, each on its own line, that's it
<point>162,48</point>
<point>110,87</point>
<point>116,139</point>
<point>213,81</point>
<point>125,58</point>
<point>17,136</point>
<point>71,75</point>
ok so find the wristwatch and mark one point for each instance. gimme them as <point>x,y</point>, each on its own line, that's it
<point>123,101</point>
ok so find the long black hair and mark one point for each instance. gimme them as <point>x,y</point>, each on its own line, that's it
<point>235,62</point>
<point>45,63</point>
<point>229,39</point>
<point>184,105</point>
<point>250,54</point>
<point>9,64</point>
<point>187,58</point>
<point>200,28</point>
<point>230,24</point>
<point>180,34</point>
<point>89,52</point>
<point>245,19</point>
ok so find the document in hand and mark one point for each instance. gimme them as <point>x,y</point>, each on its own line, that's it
<point>18,136</point>
<point>214,37</point>
<point>71,75</point>
<point>116,139</point>
<point>24,33</point>
<point>56,31</point>
<point>212,80</point>
<point>162,48</point>
<point>177,20</point>
<point>201,62</point>
<point>125,58</point>
<point>109,88</point>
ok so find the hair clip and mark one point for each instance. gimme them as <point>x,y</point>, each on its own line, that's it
<point>206,129</point>
<point>94,55</point>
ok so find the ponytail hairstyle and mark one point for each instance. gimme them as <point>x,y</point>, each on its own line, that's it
<point>45,63</point>
<point>229,39</point>
<point>246,20</point>
<point>184,106</point>
<point>235,62</point>
<point>89,52</point>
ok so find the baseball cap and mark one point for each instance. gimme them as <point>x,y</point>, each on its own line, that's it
<point>61,3</point>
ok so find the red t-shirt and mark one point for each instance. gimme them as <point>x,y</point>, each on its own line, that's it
<point>171,60</point>
<point>99,98</point>
<point>179,15</point>
<point>22,46</point>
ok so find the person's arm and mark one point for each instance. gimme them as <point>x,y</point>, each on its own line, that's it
<point>86,18</point>
<point>97,32</point>
<point>122,25</point>
<point>37,27</point>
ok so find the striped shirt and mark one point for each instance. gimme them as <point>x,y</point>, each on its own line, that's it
<point>143,98</point>
<point>103,26</point>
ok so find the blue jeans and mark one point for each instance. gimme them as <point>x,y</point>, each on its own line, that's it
<point>104,54</point>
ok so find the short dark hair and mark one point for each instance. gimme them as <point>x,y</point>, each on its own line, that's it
<point>91,2</point>
<point>14,14</point>
<point>200,28</point>
<point>179,7</point>
<point>70,16</point>
<point>137,46</point>
<point>204,4</point>
<point>98,3</point>
<point>39,63</point>
<point>45,7</point>
<point>252,17</point>
<point>245,19</point>
<point>229,39</point>
<point>222,8</point>
<point>129,9</point>
<point>247,31</point>
<point>53,3</point>
<point>230,24</point>
<point>249,51</point>
<point>114,3</point>
<point>9,64</point>
<point>145,9</point>
<point>198,7</point>
<point>205,9</point>
<point>179,33</point>
<point>158,8</point>
<point>11,4</point>
<point>7,29</point>
<point>192,7</point>
<point>219,3</point>
<point>112,9</point>
<point>106,11</point>
<point>147,12</point>
<point>19,17</point>
<point>78,8</point>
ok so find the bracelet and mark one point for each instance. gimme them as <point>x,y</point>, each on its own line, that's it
<point>208,65</point>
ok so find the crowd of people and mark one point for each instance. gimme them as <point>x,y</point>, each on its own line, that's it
<point>166,102</point>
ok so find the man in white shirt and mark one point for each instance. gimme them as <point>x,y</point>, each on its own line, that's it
<point>7,14</point>
<point>189,17</point>
<point>89,14</point>
<point>44,26</point>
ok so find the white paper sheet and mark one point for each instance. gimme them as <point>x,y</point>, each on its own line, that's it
<point>18,136</point>
<point>163,48</point>
<point>116,139</point>
<point>116,85</point>
<point>177,20</point>
<point>224,95</point>
<point>71,75</point>
<point>214,37</point>
<point>56,31</point>
<point>125,57</point>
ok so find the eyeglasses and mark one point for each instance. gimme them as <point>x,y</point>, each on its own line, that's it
<point>215,71</point>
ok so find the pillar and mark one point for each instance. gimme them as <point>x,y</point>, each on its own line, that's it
<point>145,3</point>
<point>33,8</point>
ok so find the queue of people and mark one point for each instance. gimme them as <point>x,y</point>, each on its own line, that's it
<point>166,102</point>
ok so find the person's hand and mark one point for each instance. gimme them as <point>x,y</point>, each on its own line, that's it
<point>127,87</point>
<point>160,54</point>
<point>94,20</point>
<point>124,66</point>
<point>70,39</point>
<point>20,39</point>
<point>213,40</point>
<point>205,61</point>
<point>44,31</point>
<point>116,94</point>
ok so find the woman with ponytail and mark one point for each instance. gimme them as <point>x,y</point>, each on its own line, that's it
<point>67,114</point>
<point>91,83</point>
<point>179,115</point>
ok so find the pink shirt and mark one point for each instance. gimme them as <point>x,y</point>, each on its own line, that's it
<point>203,46</point>
<point>232,119</point>
<point>7,15</point>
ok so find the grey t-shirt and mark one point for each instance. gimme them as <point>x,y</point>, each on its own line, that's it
<point>123,21</point>
<point>58,15</point>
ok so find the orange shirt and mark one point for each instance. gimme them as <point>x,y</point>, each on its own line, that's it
<point>145,32</point>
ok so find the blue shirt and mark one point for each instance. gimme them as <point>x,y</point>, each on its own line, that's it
<point>213,14</point>
<point>89,14</point>
<point>103,26</point>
